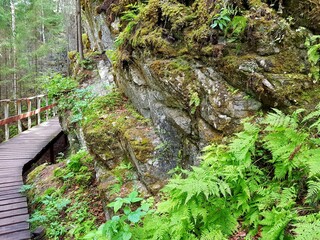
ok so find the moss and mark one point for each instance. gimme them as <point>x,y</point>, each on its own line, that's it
<point>288,61</point>
<point>86,41</point>
<point>305,13</point>
<point>255,3</point>
<point>108,121</point>
<point>72,55</point>
<point>140,144</point>
<point>32,175</point>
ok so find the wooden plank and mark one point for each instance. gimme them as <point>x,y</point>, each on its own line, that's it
<point>7,175</point>
<point>14,154</point>
<point>14,228</point>
<point>9,192</point>
<point>10,187</point>
<point>12,182</point>
<point>14,219</point>
<point>20,235</point>
<point>16,212</point>
<point>11,196</point>
<point>12,164</point>
<point>13,206</point>
<point>14,200</point>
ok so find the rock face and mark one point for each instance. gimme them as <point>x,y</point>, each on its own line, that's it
<point>192,81</point>
<point>168,101</point>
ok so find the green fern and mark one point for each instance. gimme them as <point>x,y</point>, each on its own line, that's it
<point>314,115</point>
<point>275,222</point>
<point>307,227</point>
<point>243,147</point>
<point>257,181</point>
<point>313,195</point>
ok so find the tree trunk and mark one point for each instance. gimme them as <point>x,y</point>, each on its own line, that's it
<point>79,29</point>
<point>14,50</point>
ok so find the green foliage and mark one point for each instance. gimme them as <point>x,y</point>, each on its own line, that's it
<point>236,27</point>
<point>221,19</point>
<point>99,105</point>
<point>262,180</point>
<point>118,227</point>
<point>69,97</point>
<point>53,207</point>
<point>38,24</point>
<point>25,188</point>
<point>307,227</point>
<point>313,45</point>
<point>194,101</point>
<point>58,85</point>
<point>66,214</point>
<point>315,115</point>
<point>129,18</point>
<point>76,170</point>
<point>233,26</point>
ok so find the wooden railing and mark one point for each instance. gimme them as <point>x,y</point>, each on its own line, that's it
<point>19,115</point>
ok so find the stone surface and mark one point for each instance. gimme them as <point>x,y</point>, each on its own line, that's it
<point>192,99</point>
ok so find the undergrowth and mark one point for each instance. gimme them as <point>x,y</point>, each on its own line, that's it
<point>69,97</point>
<point>264,182</point>
<point>173,28</point>
<point>67,212</point>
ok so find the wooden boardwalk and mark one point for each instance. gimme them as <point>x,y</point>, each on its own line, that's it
<point>14,154</point>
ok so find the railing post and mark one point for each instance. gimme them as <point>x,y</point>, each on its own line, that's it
<point>54,110</point>
<point>38,107</point>
<point>6,115</point>
<point>29,110</point>
<point>19,112</point>
<point>47,111</point>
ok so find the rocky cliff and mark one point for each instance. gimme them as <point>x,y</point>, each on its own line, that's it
<point>195,69</point>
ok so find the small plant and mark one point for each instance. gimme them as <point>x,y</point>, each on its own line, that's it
<point>66,212</point>
<point>236,27</point>
<point>194,102</point>
<point>222,19</point>
<point>58,85</point>
<point>313,45</point>
<point>76,170</point>
<point>119,226</point>
<point>25,188</point>
<point>53,206</point>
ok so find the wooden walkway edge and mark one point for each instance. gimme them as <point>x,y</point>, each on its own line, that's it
<point>14,155</point>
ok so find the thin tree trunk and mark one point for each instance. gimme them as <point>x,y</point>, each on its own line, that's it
<point>14,52</point>
<point>43,36</point>
<point>79,29</point>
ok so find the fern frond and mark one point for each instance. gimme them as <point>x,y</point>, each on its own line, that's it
<point>311,157</point>
<point>275,223</point>
<point>279,120</point>
<point>308,227</point>
<point>313,194</point>
<point>312,115</point>
<point>222,217</point>
<point>243,146</point>
<point>212,234</point>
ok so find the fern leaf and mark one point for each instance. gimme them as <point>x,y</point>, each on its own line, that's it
<point>243,146</point>
<point>313,194</point>
<point>275,222</point>
<point>212,234</point>
<point>312,115</point>
<point>279,120</point>
<point>308,227</point>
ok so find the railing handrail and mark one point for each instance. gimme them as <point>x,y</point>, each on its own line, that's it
<point>19,116</point>
<point>23,99</point>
